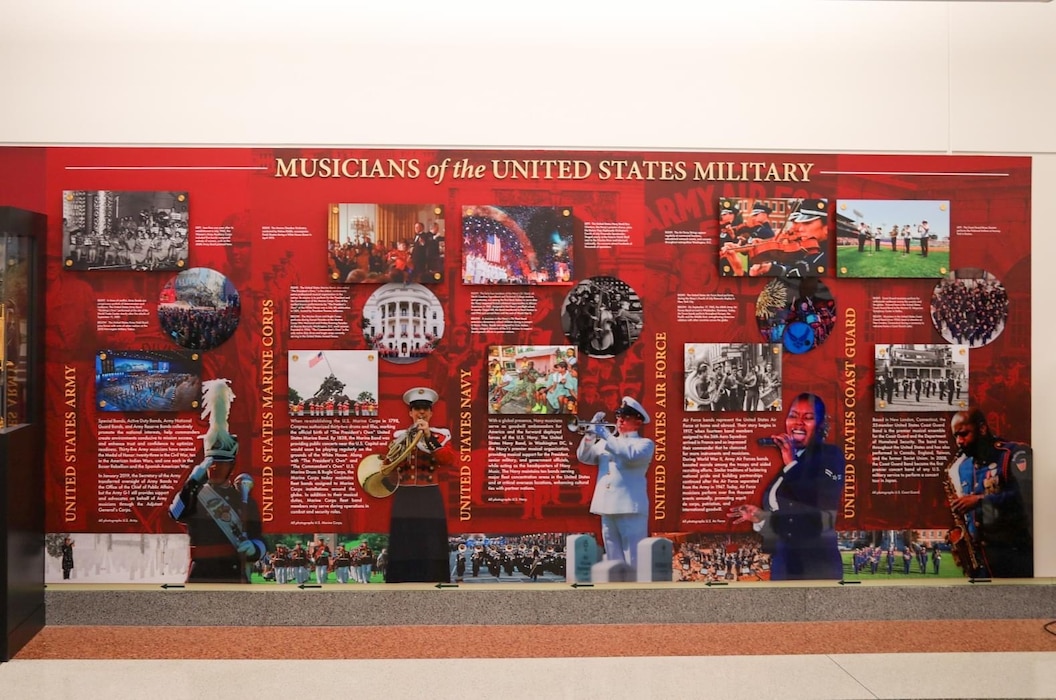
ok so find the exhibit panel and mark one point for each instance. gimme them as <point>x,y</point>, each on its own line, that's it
<point>312,366</point>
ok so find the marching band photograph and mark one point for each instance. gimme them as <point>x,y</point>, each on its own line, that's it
<point>892,238</point>
<point>928,377</point>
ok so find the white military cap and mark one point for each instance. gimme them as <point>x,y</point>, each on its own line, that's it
<point>420,394</point>
<point>629,406</point>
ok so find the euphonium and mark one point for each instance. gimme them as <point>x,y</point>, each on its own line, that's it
<point>960,538</point>
<point>373,470</point>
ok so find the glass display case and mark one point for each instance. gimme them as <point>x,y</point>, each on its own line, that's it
<point>17,278</point>
<point>21,429</point>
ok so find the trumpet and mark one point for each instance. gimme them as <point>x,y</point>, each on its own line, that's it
<point>581,426</point>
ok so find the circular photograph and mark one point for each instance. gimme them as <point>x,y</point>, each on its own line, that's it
<point>969,307</point>
<point>798,313</point>
<point>199,308</point>
<point>602,316</point>
<point>403,322</point>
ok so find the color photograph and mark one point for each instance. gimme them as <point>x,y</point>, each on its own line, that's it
<point>333,383</point>
<point>799,314</point>
<point>532,379</point>
<point>773,237</point>
<point>517,245</point>
<point>379,243</point>
<point>147,380</point>
<point>970,306</point>
<point>892,238</point>
<point>199,309</point>
<point>403,322</point>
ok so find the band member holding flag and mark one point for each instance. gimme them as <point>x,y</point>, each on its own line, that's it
<point>222,518</point>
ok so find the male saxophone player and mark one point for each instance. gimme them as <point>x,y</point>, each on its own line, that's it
<point>992,479</point>
<point>620,495</point>
<point>222,519</point>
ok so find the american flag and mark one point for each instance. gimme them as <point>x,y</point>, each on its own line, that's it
<point>493,252</point>
<point>316,360</point>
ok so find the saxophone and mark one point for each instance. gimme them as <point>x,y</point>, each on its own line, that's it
<point>959,537</point>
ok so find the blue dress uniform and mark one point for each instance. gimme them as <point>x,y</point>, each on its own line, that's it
<point>803,500</point>
<point>1001,526</point>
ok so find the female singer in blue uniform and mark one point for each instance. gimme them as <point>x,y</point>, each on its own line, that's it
<point>799,507</point>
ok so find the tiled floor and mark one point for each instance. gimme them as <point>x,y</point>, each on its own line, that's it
<point>915,675</point>
<point>906,659</point>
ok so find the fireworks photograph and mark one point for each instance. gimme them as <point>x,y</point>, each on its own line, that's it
<point>517,245</point>
<point>799,314</point>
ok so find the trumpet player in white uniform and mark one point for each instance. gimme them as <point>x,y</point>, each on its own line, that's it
<point>620,495</point>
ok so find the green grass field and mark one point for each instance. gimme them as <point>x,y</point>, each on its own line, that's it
<point>947,569</point>
<point>851,263</point>
<point>375,577</point>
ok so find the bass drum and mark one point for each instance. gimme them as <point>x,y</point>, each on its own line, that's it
<point>373,479</point>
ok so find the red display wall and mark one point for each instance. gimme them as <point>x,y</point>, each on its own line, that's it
<point>526,235</point>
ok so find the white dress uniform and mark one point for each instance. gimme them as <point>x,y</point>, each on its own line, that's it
<point>620,495</point>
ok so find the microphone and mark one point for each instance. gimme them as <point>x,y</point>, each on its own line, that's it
<point>766,442</point>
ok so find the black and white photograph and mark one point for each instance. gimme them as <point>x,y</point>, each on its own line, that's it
<point>602,316</point>
<point>199,308</point>
<point>969,306</point>
<point>116,230</point>
<point>403,322</point>
<point>533,379</point>
<point>147,380</point>
<point>732,377</point>
<point>921,377</point>
<point>380,243</point>
<point>333,383</point>
<point>797,313</point>
<point>517,245</point>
